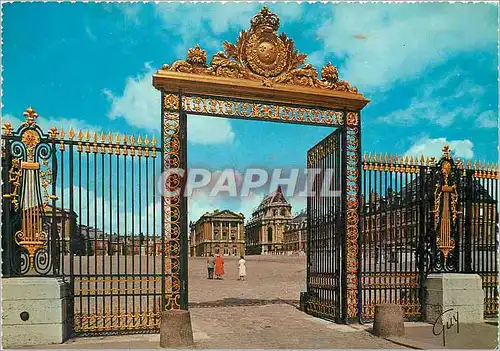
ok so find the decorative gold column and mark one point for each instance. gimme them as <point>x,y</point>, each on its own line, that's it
<point>171,202</point>
<point>353,164</point>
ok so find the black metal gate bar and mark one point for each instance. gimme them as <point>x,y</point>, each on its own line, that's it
<point>482,245</point>
<point>390,208</point>
<point>324,297</point>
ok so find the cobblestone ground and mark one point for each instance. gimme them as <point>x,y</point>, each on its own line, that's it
<point>268,277</point>
<point>256,313</point>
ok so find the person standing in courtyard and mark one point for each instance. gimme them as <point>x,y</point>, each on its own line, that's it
<point>210,266</point>
<point>242,268</point>
<point>219,267</point>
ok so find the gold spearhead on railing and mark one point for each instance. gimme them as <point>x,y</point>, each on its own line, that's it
<point>153,144</point>
<point>102,148</point>
<point>110,143</point>
<point>117,143</point>
<point>79,137</point>
<point>95,138</point>
<point>146,144</point>
<point>124,143</point>
<point>139,143</point>
<point>71,133</point>
<point>132,143</point>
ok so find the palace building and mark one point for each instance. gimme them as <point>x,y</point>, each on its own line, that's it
<point>295,236</point>
<point>264,232</point>
<point>218,232</point>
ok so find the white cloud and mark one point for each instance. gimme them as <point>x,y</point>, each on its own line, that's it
<point>488,119</point>
<point>452,98</point>
<point>209,130</point>
<point>383,44</point>
<point>206,22</point>
<point>140,105</point>
<point>433,148</point>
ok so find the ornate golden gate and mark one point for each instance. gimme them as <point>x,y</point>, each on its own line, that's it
<point>261,77</point>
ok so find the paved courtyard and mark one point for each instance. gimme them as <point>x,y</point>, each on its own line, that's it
<point>257,313</point>
<point>262,313</point>
<point>268,278</point>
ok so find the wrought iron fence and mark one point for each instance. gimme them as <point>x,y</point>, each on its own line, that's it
<point>420,215</point>
<point>83,206</point>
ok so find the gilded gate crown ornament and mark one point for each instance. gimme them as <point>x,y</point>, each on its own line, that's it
<point>263,55</point>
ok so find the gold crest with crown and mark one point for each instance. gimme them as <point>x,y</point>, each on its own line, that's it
<point>264,51</point>
<point>260,54</point>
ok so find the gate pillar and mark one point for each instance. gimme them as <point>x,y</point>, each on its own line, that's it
<point>351,199</point>
<point>174,206</point>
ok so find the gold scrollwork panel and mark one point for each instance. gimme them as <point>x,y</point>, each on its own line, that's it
<point>352,232</point>
<point>172,200</point>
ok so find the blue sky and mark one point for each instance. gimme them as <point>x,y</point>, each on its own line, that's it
<point>430,70</point>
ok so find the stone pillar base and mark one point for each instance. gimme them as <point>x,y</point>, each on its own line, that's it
<point>176,331</point>
<point>462,293</point>
<point>388,320</point>
<point>35,311</point>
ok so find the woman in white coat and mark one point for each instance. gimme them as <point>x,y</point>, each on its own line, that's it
<point>242,268</point>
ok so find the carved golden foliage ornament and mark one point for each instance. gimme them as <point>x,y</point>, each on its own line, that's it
<point>260,54</point>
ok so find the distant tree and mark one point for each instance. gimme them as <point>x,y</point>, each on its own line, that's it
<point>141,239</point>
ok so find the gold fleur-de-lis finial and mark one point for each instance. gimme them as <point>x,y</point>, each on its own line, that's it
<point>30,115</point>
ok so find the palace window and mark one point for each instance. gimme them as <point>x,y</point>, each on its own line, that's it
<point>270,234</point>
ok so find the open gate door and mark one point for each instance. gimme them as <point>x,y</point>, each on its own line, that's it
<point>324,246</point>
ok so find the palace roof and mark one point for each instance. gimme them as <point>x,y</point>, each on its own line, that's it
<point>275,198</point>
